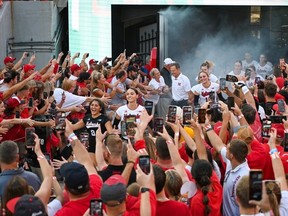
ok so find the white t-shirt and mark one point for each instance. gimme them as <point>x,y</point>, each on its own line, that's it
<point>180,87</point>
<point>155,85</point>
<point>71,99</point>
<point>245,64</point>
<point>251,82</point>
<point>53,207</point>
<point>204,92</point>
<point>117,98</point>
<point>124,111</point>
<point>242,73</point>
<point>263,70</point>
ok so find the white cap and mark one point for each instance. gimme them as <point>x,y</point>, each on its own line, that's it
<point>168,61</point>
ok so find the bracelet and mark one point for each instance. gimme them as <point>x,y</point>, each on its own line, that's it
<point>72,137</point>
<point>208,127</point>
<point>40,157</point>
<point>274,155</point>
<point>272,151</point>
<point>177,134</point>
<point>108,107</point>
<point>245,89</point>
<point>240,116</point>
<point>169,142</point>
<point>54,178</point>
<point>129,161</point>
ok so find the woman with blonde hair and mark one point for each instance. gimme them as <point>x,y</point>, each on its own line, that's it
<point>173,184</point>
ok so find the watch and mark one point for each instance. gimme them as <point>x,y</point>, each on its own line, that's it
<point>144,189</point>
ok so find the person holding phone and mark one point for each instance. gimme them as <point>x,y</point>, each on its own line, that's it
<point>131,109</point>
<point>92,122</point>
<point>253,78</point>
<point>204,88</point>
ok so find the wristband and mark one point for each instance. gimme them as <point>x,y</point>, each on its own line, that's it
<point>240,116</point>
<point>169,142</point>
<point>72,137</point>
<point>274,155</point>
<point>272,151</point>
<point>54,178</point>
<point>129,161</point>
<point>208,127</point>
<point>176,134</point>
<point>40,157</point>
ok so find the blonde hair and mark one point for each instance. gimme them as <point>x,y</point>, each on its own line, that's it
<point>95,77</point>
<point>68,84</point>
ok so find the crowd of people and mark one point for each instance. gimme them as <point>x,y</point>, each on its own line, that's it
<point>116,138</point>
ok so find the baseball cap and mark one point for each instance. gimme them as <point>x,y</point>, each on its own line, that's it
<point>75,67</point>
<point>28,67</point>
<point>113,191</point>
<point>168,61</point>
<point>92,61</point>
<point>246,134</point>
<point>9,59</point>
<point>75,176</point>
<point>26,205</point>
<point>13,102</point>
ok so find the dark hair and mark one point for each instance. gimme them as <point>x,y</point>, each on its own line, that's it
<point>120,74</point>
<point>101,104</point>
<point>134,89</point>
<point>176,64</point>
<point>173,183</point>
<point>8,152</point>
<point>284,93</point>
<point>239,150</point>
<point>277,72</point>
<point>270,89</point>
<point>249,113</point>
<point>202,172</point>
<point>10,75</point>
<point>162,149</point>
<point>209,156</point>
<point>83,76</point>
<point>159,178</point>
<point>205,64</point>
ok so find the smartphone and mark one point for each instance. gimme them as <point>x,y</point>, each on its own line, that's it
<point>248,73</point>
<point>172,110</point>
<point>201,116</point>
<point>266,128</point>
<point>51,93</point>
<point>255,184</point>
<point>144,163</point>
<point>281,105</point>
<point>45,95</point>
<point>149,107</point>
<point>230,102</point>
<point>31,102</point>
<point>17,114</point>
<point>87,55</point>
<point>222,83</point>
<point>187,115</point>
<point>277,119</point>
<point>257,80</point>
<point>130,125</point>
<point>29,136</point>
<point>285,142</point>
<point>54,56</point>
<point>27,54</point>
<point>60,121</point>
<point>158,124</point>
<point>96,207</point>
<point>59,69</point>
<point>231,78</point>
<point>84,139</point>
<point>78,54</point>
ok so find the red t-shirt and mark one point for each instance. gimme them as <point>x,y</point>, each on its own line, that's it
<point>257,128</point>
<point>172,207</point>
<point>79,207</point>
<point>259,158</point>
<point>215,199</point>
<point>15,133</point>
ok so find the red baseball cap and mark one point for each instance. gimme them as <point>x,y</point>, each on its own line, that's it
<point>28,67</point>
<point>75,67</point>
<point>13,103</point>
<point>9,59</point>
<point>92,61</point>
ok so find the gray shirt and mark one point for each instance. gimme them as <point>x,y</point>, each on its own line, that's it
<point>232,177</point>
<point>31,178</point>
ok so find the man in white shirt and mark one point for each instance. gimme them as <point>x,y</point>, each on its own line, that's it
<point>180,86</point>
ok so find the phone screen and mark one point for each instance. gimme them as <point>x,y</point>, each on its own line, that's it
<point>149,107</point>
<point>96,207</point>
<point>60,121</point>
<point>172,114</point>
<point>31,101</point>
<point>201,116</point>
<point>29,136</point>
<point>158,125</point>
<point>255,185</point>
<point>187,115</point>
<point>17,114</point>
<point>231,78</point>
<point>222,83</point>
<point>130,125</point>
<point>84,139</point>
<point>144,163</point>
<point>51,93</point>
<point>281,106</point>
<point>277,119</point>
<point>230,102</point>
<point>266,127</point>
<point>257,80</point>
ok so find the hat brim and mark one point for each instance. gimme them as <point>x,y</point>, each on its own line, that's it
<point>12,203</point>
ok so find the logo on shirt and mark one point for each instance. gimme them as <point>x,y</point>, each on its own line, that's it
<point>92,125</point>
